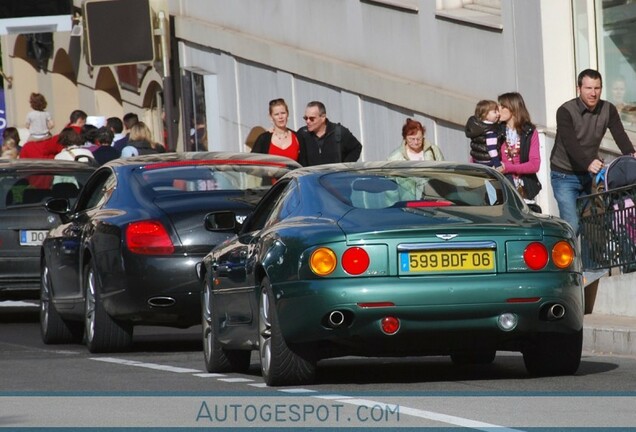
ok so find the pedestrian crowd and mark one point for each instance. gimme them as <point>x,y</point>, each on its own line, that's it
<point>501,134</point>
<point>91,139</point>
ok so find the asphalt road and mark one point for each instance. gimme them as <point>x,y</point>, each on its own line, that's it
<point>162,383</point>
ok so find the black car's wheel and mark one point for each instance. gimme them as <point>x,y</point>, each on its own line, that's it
<point>280,364</point>
<point>474,357</point>
<point>218,359</point>
<point>554,354</point>
<point>103,334</point>
<point>53,328</point>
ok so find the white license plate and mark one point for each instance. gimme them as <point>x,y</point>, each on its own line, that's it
<point>32,237</point>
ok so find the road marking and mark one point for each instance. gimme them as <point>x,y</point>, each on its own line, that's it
<point>11,303</point>
<point>236,380</point>
<point>333,397</point>
<point>209,375</point>
<point>430,415</point>
<point>145,365</point>
<point>297,390</point>
<point>413,412</point>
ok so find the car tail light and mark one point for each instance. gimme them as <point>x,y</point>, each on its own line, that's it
<point>390,325</point>
<point>535,256</point>
<point>441,203</point>
<point>323,261</point>
<point>562,254</point>
<point>148,238</point>
<point>355,261</point>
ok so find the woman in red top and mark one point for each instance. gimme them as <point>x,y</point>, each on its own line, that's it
<point>281,141</point>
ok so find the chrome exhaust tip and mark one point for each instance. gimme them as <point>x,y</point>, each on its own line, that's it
<point>335,319</point>
<point>556,311</point>
<point>161,302</point>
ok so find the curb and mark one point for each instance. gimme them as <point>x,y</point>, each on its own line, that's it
<point>609,334</point>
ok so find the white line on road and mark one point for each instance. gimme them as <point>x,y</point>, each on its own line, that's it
<point>414,412</point>
<point>11,303</point>
<point>430,415</point>
<point>236,380</point>
<point>145,365</point>
<point>209,375</point>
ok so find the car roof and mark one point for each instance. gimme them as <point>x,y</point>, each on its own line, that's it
<point>353,166</point>
<point>229,157</point>
<point>8,165</point>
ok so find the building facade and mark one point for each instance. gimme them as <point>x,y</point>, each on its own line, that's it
<point>372,62</point>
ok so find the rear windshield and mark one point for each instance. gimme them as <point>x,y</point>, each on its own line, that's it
<point>223,177</point>
<point>413,188</point>
<point>35,188</point>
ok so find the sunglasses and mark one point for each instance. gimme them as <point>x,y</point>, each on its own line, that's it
<point>310,118</point>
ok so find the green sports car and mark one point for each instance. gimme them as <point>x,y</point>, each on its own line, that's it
<point>389,259</point>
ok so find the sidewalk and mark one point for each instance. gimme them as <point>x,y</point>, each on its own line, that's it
<point>611,327</point>
<point>609,334</point>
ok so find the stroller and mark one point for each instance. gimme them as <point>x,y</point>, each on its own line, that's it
<point>608,217</point>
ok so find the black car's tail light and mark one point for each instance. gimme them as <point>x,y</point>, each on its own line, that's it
<point>148,238</point>
<point>323,261</point>
<point>355,261</point>
<point>536,256</point>
<point>562,254</point>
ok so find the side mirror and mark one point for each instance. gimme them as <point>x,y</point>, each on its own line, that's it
<point>221,221</point>
<point>58,205</point>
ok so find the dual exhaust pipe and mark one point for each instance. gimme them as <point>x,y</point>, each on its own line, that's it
<point>555,311</point>
<point>335,319</point>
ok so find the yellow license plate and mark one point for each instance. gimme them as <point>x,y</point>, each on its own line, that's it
<point>448,261</point>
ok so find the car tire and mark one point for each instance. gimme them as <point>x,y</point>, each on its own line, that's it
<point>53,328</point>
<point>554,354</point>
<point>280,364</point>
<point>473,357</point>
<point>103,334</point>
<point>218,359</point>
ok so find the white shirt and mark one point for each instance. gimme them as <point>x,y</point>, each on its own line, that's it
<point>70,153</point>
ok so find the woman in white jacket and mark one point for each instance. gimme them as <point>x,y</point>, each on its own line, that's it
<point>414,145</point>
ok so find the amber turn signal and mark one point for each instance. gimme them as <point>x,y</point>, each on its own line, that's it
<point>323,261</point>
<point>562,254</point>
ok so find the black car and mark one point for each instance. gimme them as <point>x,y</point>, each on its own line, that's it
<point>127,250</point>
<point>25,184</point>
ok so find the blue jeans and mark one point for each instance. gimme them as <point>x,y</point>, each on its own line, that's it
<point>567,188</point>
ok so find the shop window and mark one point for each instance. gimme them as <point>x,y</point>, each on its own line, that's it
<point>196,133</point>
<point>617,57</point>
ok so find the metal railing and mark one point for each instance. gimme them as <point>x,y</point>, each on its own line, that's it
<point>608,229</point>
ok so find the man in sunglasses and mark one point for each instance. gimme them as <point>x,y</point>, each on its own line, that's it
<point>322,141</point>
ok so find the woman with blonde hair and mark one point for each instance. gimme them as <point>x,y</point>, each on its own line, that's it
<point>281,141</point>
<point>140,142</point>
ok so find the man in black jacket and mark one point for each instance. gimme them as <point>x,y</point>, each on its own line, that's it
<point>581,125</point>
<point>323,142</point>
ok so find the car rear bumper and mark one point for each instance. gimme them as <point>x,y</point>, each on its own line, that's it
<point>19,288</point>
<point>436,316</point>
<point>155,291</point>
<point>20,277</point>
